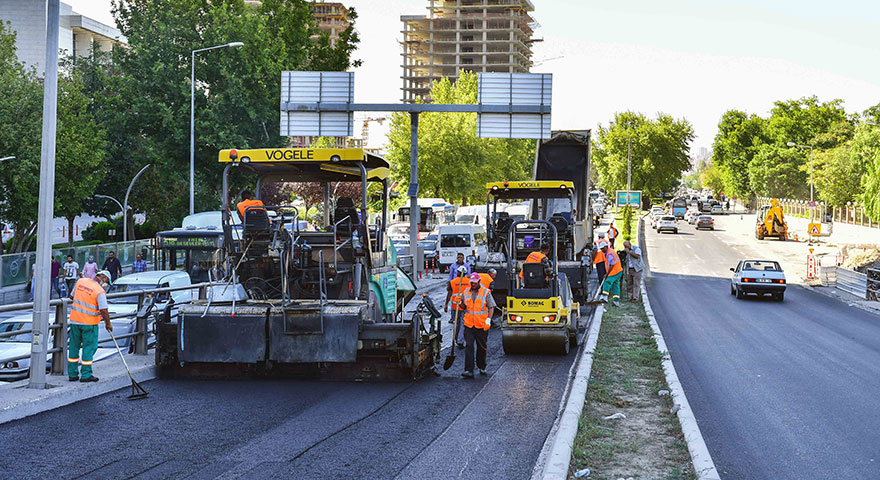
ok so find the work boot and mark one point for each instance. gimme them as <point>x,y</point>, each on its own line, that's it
<point>461,345</point>
<point>72,379</point>
<point>483,371</point>
<point>603,298</point>
<point>89,380</point>
<point>616,303</point>
<point>467,374</point>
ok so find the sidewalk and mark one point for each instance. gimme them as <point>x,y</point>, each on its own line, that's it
<point>17,401</point>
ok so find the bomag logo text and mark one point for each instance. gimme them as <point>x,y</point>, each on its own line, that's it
<point>533,303</point>
<point>290,154</point>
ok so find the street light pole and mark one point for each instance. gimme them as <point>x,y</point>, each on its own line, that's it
<point>192,117</point>
<point>629,145</point>
<point>125,207</point>
<point>45,211</point>
<point>7,158</point>
<point>108,197</point>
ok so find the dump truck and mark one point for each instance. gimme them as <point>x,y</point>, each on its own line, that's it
<point>286,300</point>
<point>770,222</point>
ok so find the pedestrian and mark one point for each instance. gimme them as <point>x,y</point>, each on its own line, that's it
<point>112,265</point>
<point>88,309</point>
<point>71,273</point>
<point>56,277</point>
<point>635,267</point>
<point>454,290</point>
<point>90,269</point>
<point>139,265</point>
<point>599,258</point>
<point>611,285</point>
<point>479,307</point>
<point>727,205</point>
<point>612,234</point>
<point>459,262</point>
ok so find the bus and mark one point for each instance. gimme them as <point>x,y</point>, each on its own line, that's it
<point>679,207</point>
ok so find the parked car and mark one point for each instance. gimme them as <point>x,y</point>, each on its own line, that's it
<point>759,277</point>
<point>135,282</point>
<point>717,209</point>
<point>667,223</point>
<point>705,221</point>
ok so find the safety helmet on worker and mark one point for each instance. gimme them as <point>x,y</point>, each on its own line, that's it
<point>106,274</point>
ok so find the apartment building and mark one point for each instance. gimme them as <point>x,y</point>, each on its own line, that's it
<point>77,32</point>
<point>476,35</point>
<point>332,19</point>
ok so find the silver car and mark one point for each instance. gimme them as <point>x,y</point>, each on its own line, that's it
<point>759,277</point>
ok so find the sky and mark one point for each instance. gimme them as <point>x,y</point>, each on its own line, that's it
<point>688,59</point>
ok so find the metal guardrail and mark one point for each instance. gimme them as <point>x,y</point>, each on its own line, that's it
<point>851,281</point>
<point>59,342</point>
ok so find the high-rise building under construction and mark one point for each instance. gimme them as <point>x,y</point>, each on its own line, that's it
<point>476,35</point>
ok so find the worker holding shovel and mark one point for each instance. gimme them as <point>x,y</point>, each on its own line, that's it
<point>479,306</point>
<point>88,309</point>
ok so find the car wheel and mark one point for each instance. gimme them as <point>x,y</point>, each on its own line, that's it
<point>712,228</point>
<point>732,290</point>
<point>739,293</point>
<point>675,231</point>
<point>780,296</point>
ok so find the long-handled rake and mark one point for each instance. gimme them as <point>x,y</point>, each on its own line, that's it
<point>137,391</point>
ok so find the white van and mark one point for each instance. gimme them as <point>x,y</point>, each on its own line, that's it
<point>471,215</point>
<point>469,240</point>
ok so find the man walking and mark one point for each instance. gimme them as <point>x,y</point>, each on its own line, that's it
<point>611,285</point>
<point>139,265</point>
<point>454,291</point>
<point>113,266</point>
<point>612,234</point>
<point>88,309</point>
<point>459,262</point>
<point>56,277</point>
<point>71,273</point>
<point>635,267</point>
<point>479,307</point>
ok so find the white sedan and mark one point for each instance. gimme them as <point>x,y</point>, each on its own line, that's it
<point>668,223</point>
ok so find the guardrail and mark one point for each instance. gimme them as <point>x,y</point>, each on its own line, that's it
<point>59,342</point>
<point>850,281</point>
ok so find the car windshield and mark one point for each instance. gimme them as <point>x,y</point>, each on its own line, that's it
<point>7,327</point>
<point>704,217</point>
<point>428,245</point>
<point>128,287</point>
<point>762,266</point>
<point>452,240</point>
<point>668,219</point>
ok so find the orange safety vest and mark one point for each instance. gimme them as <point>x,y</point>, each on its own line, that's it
<point>477,312</point>
<point>485,280</point>
<point>612,232</point>
<point>84,309</point>
<point>459,286</point>
<point>616,268</point>
<point>600,257</point>
<point>534,257</point>
<point>242,205</point>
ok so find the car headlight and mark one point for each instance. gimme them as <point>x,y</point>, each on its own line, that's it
<point>11,365</point>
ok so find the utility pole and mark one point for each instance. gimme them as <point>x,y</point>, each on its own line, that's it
<point>47,202</point>
<point>413,192</point>
<point>629,147</point>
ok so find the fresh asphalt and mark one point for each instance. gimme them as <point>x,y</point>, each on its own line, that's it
<point>440,427</point>
<point>780,390</point>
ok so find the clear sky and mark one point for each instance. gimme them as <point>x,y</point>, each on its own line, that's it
<point>692,59</point>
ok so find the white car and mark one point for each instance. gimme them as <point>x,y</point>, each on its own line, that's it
<point>691,216</point>
<point>667,223</point>
<point>717,209</point>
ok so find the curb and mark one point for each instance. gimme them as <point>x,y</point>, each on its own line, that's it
<point>560,441</point>
<point>700,457</point>
<point>53,398</point>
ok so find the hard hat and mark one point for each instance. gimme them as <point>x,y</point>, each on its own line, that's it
<point>106,273</point>
<point>461,270</point>
<point>492,271</point>
<point>475,277</point>
<point>603,244</point>
<point>601,234</point>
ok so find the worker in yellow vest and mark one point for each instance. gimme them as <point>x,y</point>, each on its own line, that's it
<point>88,309</point>
<point>479,307</point>
<point>614,269</point>
<point>454,290</point>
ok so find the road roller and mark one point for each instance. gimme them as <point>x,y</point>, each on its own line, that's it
<point>540,314</point>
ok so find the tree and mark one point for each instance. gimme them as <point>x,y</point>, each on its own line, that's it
<point>776,171</point>
<point>838,175</point>
<point>711,178</point>
<point>659,152</point>
<point>738,138</point>
<point>453,163</point>
<point>865,151</point>
<point>237,93</point>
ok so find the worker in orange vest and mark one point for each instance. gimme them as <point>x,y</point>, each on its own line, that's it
<point>479,307</point>
<point>540,256</point>
<point>488,279</point>
<point>612,234</point>
<point>247,200</point>
<point>88,309</point>
<point>599,258</point>
<point>611,285</point>
<point>454,290</point>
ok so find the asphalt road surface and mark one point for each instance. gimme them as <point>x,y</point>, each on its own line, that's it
<point>440,427</point>
<point>780,390</point>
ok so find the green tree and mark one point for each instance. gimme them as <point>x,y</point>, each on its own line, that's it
<point>659,152</point>
<point>838,175</point>
<point>711,178</point>
<point>865,150</point>
<point>738,138</point>
<point>453,163</point>
<point>776,171</point>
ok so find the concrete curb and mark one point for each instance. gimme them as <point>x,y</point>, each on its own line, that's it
<point>44,400</point>
<point>561,441</point>
<point>700,457</point>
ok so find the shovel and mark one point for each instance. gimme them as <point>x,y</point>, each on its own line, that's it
<point>450,359</point>
<point>137,391</point>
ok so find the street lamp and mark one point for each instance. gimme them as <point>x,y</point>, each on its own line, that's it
<point>792,144</point>
<point>192,116</point>
<point>126,207</point>
<point>7,158</point>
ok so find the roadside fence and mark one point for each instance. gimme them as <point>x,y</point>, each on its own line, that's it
<point>851,213</point>
<point>851,281</point>
<point>140,332</point>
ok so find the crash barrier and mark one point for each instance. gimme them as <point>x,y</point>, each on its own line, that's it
<point>58,347</point>
<point>16,268</point>
<point>406,263</point>
<point>850,281</point>
<point>873,279</point>
<point>851,213</point>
